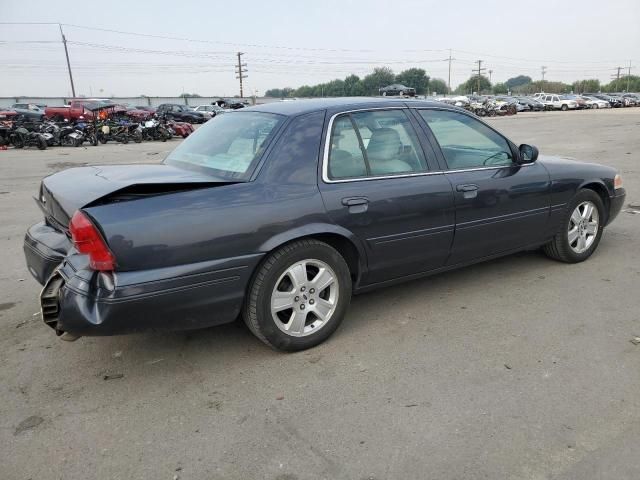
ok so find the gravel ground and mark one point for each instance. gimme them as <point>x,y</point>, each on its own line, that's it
<point>520,368</point>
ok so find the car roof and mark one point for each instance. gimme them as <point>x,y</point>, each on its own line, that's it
<point>298,107</point>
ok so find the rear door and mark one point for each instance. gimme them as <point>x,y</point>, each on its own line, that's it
<point>500,205</point>
<point>381,184</point>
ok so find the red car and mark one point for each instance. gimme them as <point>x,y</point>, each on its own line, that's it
<point>73,111</point>
<point>137,114</point>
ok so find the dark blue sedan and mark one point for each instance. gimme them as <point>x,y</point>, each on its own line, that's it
<point>278,213</point>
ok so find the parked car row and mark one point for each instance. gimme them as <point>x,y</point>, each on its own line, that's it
<point>489,105</point>
<point>27,124</point>
<point>100,124</point>
<point>84,107</point>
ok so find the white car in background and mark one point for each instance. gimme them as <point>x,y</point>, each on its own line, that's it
<point>559,102</point>
<point>209,111</point>
<point>594,102</point>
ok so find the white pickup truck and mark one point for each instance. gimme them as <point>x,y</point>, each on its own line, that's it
<point>558,102</point>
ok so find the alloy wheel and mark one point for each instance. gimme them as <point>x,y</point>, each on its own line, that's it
<point>304,298</point>
<point>583,227</point>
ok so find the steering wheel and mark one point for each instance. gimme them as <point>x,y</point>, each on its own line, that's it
<point>488,159</point>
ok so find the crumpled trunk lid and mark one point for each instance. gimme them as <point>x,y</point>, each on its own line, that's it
<point>62,193</point>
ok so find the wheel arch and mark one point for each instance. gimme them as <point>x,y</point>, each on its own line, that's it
<point>339,238</point>
<point>599,188</point>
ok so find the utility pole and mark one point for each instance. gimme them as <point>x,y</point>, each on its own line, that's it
<point>449,82</point>
<point>66,52</point>
<point>544,70</point>
<point>617,77</point>
<point>629,76</point>
<point>240,72</point>
<point>490,72</point>
<point>479,71</point>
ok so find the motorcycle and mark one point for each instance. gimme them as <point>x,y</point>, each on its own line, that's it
<point>112,131</point>
<point>21,137</point>
<point>181,129</point>
<point>88,131</point>
<point>69,136</point>
<point>134,131</point>
<point>154,130</point>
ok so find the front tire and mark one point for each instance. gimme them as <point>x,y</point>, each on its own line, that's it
<point>299,296</point>
<point>581,229</point>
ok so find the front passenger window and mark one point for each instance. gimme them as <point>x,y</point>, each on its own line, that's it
<point>466,142</point>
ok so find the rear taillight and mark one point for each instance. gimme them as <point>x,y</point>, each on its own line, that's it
<point>87,240</point>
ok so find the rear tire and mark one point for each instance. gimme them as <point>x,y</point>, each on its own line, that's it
<point>289,288</point>
<point>565,244</point>
<point>42,143</point>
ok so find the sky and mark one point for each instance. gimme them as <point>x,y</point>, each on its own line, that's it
<point>165,48</point>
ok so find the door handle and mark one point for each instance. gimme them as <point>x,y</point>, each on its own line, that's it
<point>356,204</point>
<point>354,201</point>
<point>470,187</point>
<point>469,190</point>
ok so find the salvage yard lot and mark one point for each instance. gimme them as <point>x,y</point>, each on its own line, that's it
<point>521,368</point>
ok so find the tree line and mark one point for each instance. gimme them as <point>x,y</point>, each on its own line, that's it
<point>369,85</point>
<point>354,86</point>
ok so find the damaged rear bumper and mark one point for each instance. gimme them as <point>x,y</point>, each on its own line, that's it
<point>44,249</point>
<point>83,302</point>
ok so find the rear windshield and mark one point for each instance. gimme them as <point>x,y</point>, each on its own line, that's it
<point>227,146</point>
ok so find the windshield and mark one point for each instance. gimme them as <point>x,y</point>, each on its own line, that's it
<point>227,146</point>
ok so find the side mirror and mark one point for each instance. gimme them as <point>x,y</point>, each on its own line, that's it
<point>528,153</point>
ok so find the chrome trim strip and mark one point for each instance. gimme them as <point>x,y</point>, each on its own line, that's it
<point>497,167</point>
<point>396,237</point>
<point>502,218</point>
<point>327,147</point>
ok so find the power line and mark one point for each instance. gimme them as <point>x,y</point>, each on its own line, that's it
<point>280,47</point>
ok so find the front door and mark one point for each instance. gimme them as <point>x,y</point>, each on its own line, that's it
<point>377,183</point>
<point>500,205</point>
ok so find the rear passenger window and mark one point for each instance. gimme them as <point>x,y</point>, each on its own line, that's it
<point>374,143</point>
<point>346,159</point>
